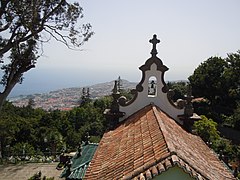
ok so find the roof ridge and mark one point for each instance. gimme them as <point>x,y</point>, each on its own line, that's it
<point>164,131</point>
<point>95,144</point>
<point>81,165</point>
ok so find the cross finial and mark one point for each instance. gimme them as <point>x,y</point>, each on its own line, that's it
<point>154,41</point>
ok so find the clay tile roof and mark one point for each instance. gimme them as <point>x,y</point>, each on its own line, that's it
<point>147,144</point>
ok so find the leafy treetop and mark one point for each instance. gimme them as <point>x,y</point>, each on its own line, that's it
<point>25,25</point>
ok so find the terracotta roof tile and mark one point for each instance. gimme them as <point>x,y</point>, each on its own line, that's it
<point>147,144</point>
<point>192,150</point>
<point>154,171</point>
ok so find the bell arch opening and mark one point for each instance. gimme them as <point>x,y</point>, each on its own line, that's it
<point>152,86</point>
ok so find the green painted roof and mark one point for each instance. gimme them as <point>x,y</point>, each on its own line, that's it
<point>79,164</point>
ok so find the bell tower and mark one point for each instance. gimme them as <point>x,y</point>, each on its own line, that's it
<point>152,88</point>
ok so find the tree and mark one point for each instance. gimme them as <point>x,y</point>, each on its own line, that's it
<point>103,103</point>
<point>8,130</point>
<point>85,98</point>
<point>31,103</point>
<point>54,140</point>
<point>179,88</point>
<point>49,131</point>
<point>22,150</point>
<point>26,25</point>
<point>217,80</point>
<point>206,129</point>
<point>232,78</point>
<point>207,80</point>
<point>235,118</point>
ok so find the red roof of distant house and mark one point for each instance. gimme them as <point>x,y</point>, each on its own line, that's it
<point>66,108</point>
<point>200,99</point>
<point>148,143</point>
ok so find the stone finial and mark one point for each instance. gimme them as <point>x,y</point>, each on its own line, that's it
<point>188,111</point>
<point>79,150</point>
<point>154,41</point>
<point>115,95</point>
<point>115,88</point>
<point>189,117</point>
<point>87,138</point>
<point>113,113</point>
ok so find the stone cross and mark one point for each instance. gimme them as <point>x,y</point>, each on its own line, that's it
<point>154,41</point>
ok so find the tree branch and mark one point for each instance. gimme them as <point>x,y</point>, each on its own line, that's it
<point>64,41</point>
<point>3,7</point>
<point>11,40</point>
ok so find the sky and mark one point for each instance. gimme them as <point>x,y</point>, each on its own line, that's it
<point>190,32</point>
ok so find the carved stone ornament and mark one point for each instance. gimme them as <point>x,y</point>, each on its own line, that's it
<point>152,88</point>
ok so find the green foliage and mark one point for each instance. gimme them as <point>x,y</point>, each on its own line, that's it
<point>206,129</point>
<point>208,79</point>
<point>217,81</point>
<point>95,139</point>
<point>23,149</point>
<point>26,25</point>
<point>127,94</point>
<point>85,98</point>
<point>50,132</point>
<point>223,147</point>
<point>123,92</point>
<point>52,140</point>
<point>103,103</point>
<point>234,119</point>
<point>179,88</point>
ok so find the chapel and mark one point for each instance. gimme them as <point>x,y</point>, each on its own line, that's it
<point>151,136</point>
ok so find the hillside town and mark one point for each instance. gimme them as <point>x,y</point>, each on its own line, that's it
<point>68,98</point>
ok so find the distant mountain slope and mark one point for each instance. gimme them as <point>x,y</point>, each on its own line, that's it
<point>68,98</point>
